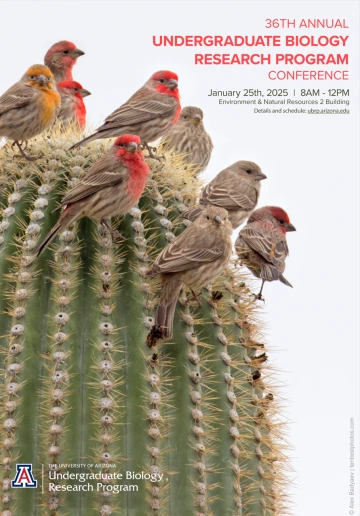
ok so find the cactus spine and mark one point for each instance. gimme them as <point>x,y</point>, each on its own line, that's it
<point>82,381</point>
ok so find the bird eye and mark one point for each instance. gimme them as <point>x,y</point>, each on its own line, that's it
<point>66,51</point>
<point>208,218</point>
<point>161,80</point>
<point>76,89</point>
<point>248,171</point>
<point>185,117</point>
<point>32,76</point>
<point>282,221</point>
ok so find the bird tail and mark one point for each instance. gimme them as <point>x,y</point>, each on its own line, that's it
<point>192,214</point>
<point>68,216</point>
<point>285,281</point>
<point>90,138</point>
<point>167,305</point>
<point>49,238</point>
<point>165,318</point>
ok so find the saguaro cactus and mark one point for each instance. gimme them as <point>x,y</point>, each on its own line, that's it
<point>192,424</point>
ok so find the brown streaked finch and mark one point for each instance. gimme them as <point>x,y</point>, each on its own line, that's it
<point>112,186</point>
<point>195,258</point>
<point>149,113</point>
<point>29,107</point>
<point>235,188</point>
<point>261,244</point>
<point>73,110</point>
<point>60,58</point>
<point>188,137</point>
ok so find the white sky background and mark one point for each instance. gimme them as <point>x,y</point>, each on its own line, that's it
<point>312,167</point>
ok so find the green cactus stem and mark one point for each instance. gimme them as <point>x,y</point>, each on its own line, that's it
<point>86,379</point>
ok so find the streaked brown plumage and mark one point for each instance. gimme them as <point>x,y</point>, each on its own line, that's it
<point>195,258</point>
<point>235,188</point>
<point>112,186</point>
<point>261,244</point>
<point>73,110</point>
<point>30,106</point>
<point>188,137</point>
<point>149,113</point>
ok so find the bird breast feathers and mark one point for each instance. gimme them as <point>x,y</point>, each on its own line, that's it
<point>50,103</point>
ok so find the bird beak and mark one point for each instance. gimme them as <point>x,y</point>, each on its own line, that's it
<point>260,176</point>
<point>41,80</point>
<point>219,220</point>
<point>132,147</point>
<point>172,84</point>
<point>84,93</point>
<point>290,227</point>
<point>196,119</point>
<point>77,52</point>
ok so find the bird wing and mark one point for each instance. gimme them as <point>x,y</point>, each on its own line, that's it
<point>232,196</point>
<point>102,174</point>
<point>144,105</point>
<point>178,256</point>
<point>15,97</point>
<point>265,242</point>
<point>192,213</point>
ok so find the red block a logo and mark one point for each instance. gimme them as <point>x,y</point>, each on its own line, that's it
<point>24,476</point>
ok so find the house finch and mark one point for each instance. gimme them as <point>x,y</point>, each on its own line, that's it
<point>235,188</point>
<point>188,137</point>
<point>149,113</point>
<point>261,244</point>
<point>73,109</point>
<point>29,107</point>
<point>60,58</point>
<point>112,186</point>
<point>195,258</point>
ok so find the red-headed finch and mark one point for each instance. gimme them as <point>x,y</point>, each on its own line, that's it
<point>73,109</point>
<point>235,188</point>
<point>188,137</point>
<point>261,244</point>
<point>60,58</point>
<point>195,258</point>
<point>112,186</point>
<point>29,107</point>
<point>149,113</point>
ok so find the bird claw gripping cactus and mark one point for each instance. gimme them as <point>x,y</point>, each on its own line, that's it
<point>197,415</point>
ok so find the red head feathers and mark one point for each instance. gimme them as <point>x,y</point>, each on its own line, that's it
<point>165,82</point>
<point>279,214</point>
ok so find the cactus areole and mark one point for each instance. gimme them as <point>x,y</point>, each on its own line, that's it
<point>108,417</point>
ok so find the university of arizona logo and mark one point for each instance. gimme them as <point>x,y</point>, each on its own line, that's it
<point>24,476</point>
